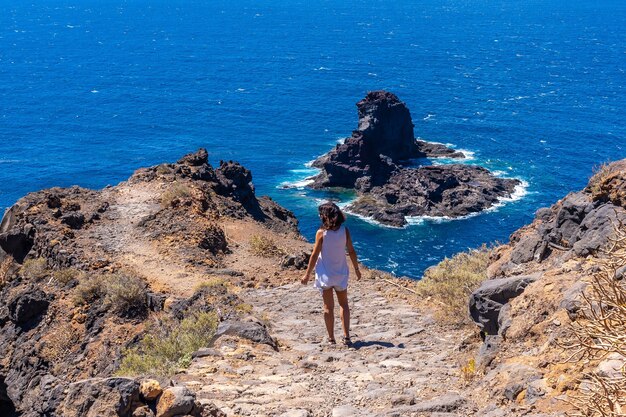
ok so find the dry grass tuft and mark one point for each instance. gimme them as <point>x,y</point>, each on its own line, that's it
<point>450,283</point>
<point>124,293</point>
<point>608,183</point>
<point>35,269</point>
<point>5,269</point>
<point>210,284</point>
<point>65,275</point>
<point>265,247</point>
<point>174,194</point>
<point>167,347</point>
<point>600,332</point>
<point>58,343</point>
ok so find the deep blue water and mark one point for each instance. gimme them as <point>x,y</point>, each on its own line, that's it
<point>91,90</point>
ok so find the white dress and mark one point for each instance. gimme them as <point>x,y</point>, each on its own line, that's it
<point>331,269</point>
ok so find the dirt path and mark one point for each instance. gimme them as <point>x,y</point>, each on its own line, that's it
<point>399,362</point>
<point>129,245</point>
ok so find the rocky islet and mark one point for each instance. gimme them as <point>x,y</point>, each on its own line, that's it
<point>384,163</point>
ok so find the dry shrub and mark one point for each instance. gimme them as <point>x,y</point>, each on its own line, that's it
<point>174,194</point>
<point>65,275</point>
<point>265,247</point>
<point>450,283</point>
<point>608,183</point>
<point>600,331</point>
<point>5,269</point>
<point>35,269</point>
<point>163,169</point>
<point>210,284</point>
<point>59,342</point>
<point>124,293</point>
<point>167,347</point>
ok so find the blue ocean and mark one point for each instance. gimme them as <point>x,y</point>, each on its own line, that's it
<point>91,90</point>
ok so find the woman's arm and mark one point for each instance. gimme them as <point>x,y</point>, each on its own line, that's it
<point>352,254</point>
<point>317,248</point>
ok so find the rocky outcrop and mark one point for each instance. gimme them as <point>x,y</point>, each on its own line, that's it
<point>533,298</point>
<point>90,271</point>
<point>373,161</point>
<point>486,303</point>
<point>438,191</point>
<point>383,139</point>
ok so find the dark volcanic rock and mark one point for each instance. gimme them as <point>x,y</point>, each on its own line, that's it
<point>450,190</point>
<point>198,158</point>
<point>373,162</point>
<point>487,301</point>
<point>383,138</point>
<point>105,397</point>
<point>74,220</point>
<point>28,305</point>
<point>250,330</point>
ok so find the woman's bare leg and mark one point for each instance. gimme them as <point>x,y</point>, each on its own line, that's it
<point>344,309</point>
<point>329,312</point>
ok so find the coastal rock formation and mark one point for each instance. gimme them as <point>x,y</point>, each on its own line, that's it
<point>85,275</point>
<point>438,191</point>
<point>384,138</point>
<point>375,161</point>
<point>529,307</point>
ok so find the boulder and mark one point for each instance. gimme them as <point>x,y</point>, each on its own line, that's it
<point>298,261</point>
<point>16,241</point>
<point>150,389</point>
<point>486,302</point>
<point>74,220</point>
<point>175,401</point>
<point>28,305</point>
<point>98,397</point>
<point>250,330</point>
<point>445,403</point>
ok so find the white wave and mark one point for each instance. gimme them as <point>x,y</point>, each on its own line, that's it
<point>94,91</point>
<point>300,184</point>
<point>429,116</point>
<point>372,74</point>
<point>519,192</point>
<point>368,219</point>
<point>341,141</point>
<point>321,69</point>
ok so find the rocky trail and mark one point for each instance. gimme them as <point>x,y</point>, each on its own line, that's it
<point>400,363</point>
<point>131,246</point>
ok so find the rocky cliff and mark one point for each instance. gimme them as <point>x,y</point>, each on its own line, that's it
<point>532,304</point>
<point>376,162</point>
<point>85,275</point>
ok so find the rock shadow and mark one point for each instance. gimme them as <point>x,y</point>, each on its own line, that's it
<point>367,343</point>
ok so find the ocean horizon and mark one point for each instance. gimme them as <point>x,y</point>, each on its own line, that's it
<point>91,91</point>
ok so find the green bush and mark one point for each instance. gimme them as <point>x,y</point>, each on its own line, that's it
<point>166,349</point>
<point>450,283</point>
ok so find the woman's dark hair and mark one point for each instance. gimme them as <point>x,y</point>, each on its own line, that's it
<point>331,216</point>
